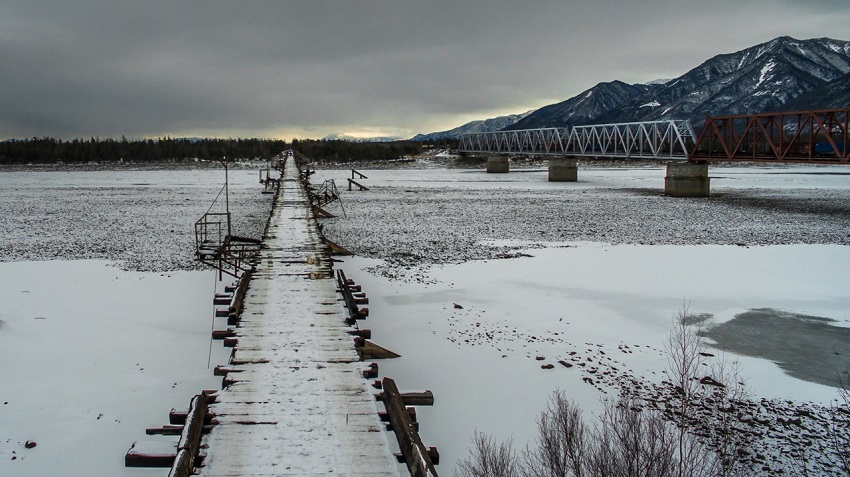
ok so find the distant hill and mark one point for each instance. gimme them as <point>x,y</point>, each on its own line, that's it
<point>487,125</point>
<point>782,74</point>
<point>345,137</point>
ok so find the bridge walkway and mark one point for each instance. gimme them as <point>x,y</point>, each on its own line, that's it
<point>297,402</point>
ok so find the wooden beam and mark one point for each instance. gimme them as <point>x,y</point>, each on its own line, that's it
<point>385,416</point>
<point>320,212</point>
<point>174,430</point>
<point>418,398</point>
<point>241,289</point>
<point>336,248</point>
<point>415,454</point>
<point>368,350</point>
<point>222,334</point>
<point>371,371</point>
<point>364,333</point>
<point>176,417</point>
<point>433,453</point>
<point>143,454</point>
<point>190,439</point>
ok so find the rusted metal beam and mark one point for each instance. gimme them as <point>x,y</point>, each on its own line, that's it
<point>815,137</point>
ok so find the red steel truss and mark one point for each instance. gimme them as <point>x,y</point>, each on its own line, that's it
<point>817,137</point>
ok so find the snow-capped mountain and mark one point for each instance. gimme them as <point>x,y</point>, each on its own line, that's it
<point>584,108</point>
<point>758,79</point>
<point>783,74</point>
<point>486,125</point>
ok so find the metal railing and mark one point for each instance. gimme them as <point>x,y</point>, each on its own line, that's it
<point>668,139</point>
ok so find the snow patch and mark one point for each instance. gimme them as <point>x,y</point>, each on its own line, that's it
<point>743,59</point>
<point>765,70</point>
<point>652,104</point>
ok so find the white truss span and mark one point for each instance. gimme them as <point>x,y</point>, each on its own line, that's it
<point>671,139</point>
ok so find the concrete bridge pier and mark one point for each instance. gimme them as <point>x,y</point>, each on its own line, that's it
<point>498,164</point>
<point>563,169</point>
<point>687,179</point>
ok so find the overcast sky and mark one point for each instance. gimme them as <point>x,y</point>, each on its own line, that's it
<point>379,67</point>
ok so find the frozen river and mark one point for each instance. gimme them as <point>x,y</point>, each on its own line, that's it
<point>589,272</point>
<point>771,242</point>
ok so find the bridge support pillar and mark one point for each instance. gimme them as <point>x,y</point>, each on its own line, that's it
<point>687,179</point>
<point>498,164</point>
<point>563,169</point>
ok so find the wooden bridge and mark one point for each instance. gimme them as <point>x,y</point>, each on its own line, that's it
<point>294,398</point>
<point>296,401</point>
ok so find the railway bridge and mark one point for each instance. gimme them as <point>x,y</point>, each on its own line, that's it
<point>814,137</point>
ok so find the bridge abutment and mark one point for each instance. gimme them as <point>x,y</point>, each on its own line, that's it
<point>563,169</point>
<point>687,179</point>
<point>498,164</point>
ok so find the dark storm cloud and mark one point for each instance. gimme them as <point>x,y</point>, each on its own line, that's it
<point>313,67</point>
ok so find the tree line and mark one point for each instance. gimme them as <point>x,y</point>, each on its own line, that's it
<point>79,150</point>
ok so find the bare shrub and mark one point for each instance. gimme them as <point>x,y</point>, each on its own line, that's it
<point>562,441</point>
<point>725,397</point>
<point>684,360</point>
<point>840,425</point>
<point>489,459</point>
<point>631,442</point>
<point>630,439</point>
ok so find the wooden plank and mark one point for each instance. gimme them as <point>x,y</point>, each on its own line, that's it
<point>190,439</point>
<point>222,334</point>
<point>359,185</point>
<point>417,398</point>
<point>364,333</point>
<point>178,418</point>
<point>385,417</point>
<point>150,454</point>
<point>369,350</point>
<point>241,289</point>
<point>415,454</point>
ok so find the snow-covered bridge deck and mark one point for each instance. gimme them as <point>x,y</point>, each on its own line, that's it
<point>299,404</point>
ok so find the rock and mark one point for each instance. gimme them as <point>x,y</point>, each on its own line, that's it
<point>708,380</point>
<point>457,307</point>
<point>565,364</point>
<point>540,358</point>
<point>30,444</point>
<point>547,366</point>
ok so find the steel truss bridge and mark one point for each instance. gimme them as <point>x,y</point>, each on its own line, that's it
<point>669,139</point>
<point>818,137</point>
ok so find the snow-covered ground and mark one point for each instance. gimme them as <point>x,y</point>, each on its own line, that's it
<point>90,356</point>
<point>588,274</point>
<point>142,218</point>
<point>92,350</point>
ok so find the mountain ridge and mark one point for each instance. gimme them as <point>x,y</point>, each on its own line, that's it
<point>772,76</point>
<point>481,125</point>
